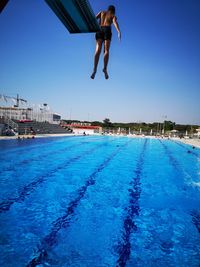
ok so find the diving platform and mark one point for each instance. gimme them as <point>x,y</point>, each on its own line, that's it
<point>76,15</point>
<point>3,3</point>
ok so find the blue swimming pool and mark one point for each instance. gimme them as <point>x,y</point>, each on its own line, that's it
<point>99,201</point>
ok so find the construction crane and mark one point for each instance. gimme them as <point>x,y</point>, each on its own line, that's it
<point>17,99</point>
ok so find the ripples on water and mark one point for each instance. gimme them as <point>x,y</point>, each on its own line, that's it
<point>99,201</point>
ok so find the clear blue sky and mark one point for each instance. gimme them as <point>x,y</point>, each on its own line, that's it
<point>154,71</point>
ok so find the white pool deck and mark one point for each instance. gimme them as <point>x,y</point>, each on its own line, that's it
<point>192,142</point>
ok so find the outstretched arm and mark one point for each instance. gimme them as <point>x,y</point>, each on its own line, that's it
<point>117,27</point>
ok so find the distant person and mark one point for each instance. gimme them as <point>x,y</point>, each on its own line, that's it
<point>32,131</point>
<point>106,19</point>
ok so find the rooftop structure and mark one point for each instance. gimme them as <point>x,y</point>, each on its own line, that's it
<point>81,128</point>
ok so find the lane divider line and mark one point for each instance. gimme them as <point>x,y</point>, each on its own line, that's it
<point>133,210</point>
<point>64,221</point>
<point>29,188</point>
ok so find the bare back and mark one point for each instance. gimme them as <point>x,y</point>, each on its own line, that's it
<point>106,18</point>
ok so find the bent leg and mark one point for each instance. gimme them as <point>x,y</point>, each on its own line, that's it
<point>97,55</point>
<point>106,57</point>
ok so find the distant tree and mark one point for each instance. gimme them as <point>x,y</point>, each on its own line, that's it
<point>169,125</point>
<point>96,123</point>
<point>136,126</point>
<point>107,122</point>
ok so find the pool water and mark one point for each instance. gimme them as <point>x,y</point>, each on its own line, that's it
<point>99,201</point>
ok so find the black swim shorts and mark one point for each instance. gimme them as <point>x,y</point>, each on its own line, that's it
<point>104,34</point>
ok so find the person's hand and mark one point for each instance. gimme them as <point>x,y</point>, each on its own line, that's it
<point>119,36</point>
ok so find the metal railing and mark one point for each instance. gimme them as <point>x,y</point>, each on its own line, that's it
<point>10,123</point>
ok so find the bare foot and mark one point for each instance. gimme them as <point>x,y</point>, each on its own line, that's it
<point>106,74</point>
<point>93,75</point>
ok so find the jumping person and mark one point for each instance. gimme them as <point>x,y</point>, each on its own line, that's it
<point>106,19</point>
